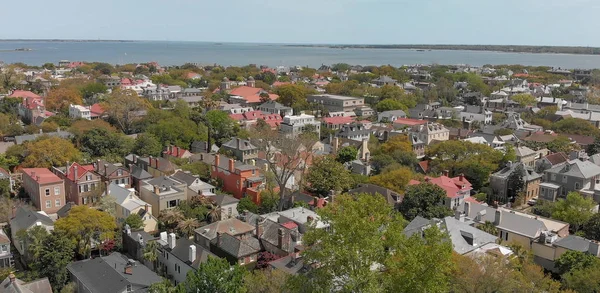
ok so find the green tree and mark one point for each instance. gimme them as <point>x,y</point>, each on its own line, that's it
<point>575,260</point>
<point>266,281</point>
<point>123,107</point>
<point>575,210</point>
<point>187,227</point>
<point>396,179</point>
<point>594,148</point>
<point>389,105</point>
<point>35,239</point>
<point>575,126</point>
<point>101,143</point>
<point>164,287</point>
<point>524,100</point>
<point>424,200</point>
<point>327,174</point>
<point>198,168</point>
<point>84,224</point>
<point>489,228</point>
<point>106,203</point>
<point>583,280</point>
<point>147,144</point>
<point>134,221</point>
<point>347,154</point>
<point>515,182</point>
<point>56,254</point>
<point>91,89</point>
<point>215,275</point>
<point>177,131</point>
<point>220,125</point>
<point>591,228</point>
<point>150,252</point>
<point>246,204</point>
<point>50,151</point>
<point>292,95</point>
<point>59,99</point>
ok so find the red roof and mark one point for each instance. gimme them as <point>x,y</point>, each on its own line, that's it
<point>472,200</point>
<point>81,171</point>
<point>96,110</point>
<point>24,94</point>
<point>75,64</point>
<point>126,81</point>
<point>41,175</point>
<point>279,83</point>
<point>250,94</point>
<point>452,186</point>
<point>557,158</point>
<point>338,120</point>
<point>409,122</point>
<point>191,75</point>
<point>271,119</point>
<point>290,225</point>
<point>32,103</point>
<point>424,166</point>
<point>175,151</point>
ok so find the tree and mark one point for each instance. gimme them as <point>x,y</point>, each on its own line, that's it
<point>291,95</point>
<point>91,89</point>
<point>326,174</point>
<point>101,143</point>
<point>424,200</point>
<point>84,224</point>
<point>246,204</point>
<point>396,179</point>
<point>147,145</point>
<point>171,217</point>
<point>60,98</point>
<point>215,275</point>
<point>164,287</point>
<point>524,100</point>
<point>591,228</point>
<point>489,228</point>
<point>221,126</point>
<point>150,252</point>
<point>198,168</point>
<point>594,148</point>
<point>35,239</point>
<point>50,151</point>
<point>56,254</point>
<point>397,143</point>
<point>347,154</point>
<point>122,107</point>
<point>187,227</point>
<point>176,131</point>
<point>266,281</point>
<point>575,260</point>
<point>575,126</point>
<point>515,182</point>
<point>134,221</point>
<point>106,203</point>
<point>575,210</point>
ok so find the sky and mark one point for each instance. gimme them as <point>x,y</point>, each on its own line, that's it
<point>497,22</point>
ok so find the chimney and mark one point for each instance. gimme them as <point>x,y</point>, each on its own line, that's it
<point>156,190</point>
<point>593,184</point>
<point>105,167</point>
<point>75,173</point>
<point>457,214</point>
<point>127,229</point>
<point>150,159</point>
<point>445,173</point>
<point>281,238</point>
<point>172,239</point>
<point>461,177</point>
<point>128,269</point>
<point>498,217</point>
<point>232,165</point>
<point>467,208</point>
<point>217,160</point>
<point>336,144</point>
<point>67,169</point>
<point>192,253</point>
<point>259,228</point>
<point>238,142</point>
<point>265,167</point>
<point>163,236</point>
<point>219,237</point>
<point>135,159</point>
<point>146,207</point>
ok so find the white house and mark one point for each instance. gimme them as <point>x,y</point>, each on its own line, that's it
<point>177,257</point>
<point>80,112</point>
<point>294,125</point>
<point>24,220</point>
<point>127,203</point>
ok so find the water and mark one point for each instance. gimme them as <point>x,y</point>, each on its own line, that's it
<point>177,53</point>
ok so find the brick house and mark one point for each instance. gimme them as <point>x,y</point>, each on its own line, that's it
<point>112,173</point>
<point>83,186</point>
<point>46,190</point>
<point>238,178</point>
<point>176,152</point>
<point>458,189</point>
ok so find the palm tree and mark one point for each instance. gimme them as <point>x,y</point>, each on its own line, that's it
<point>171,217</point>
<point>187,227</point>
<point>150,252</point>
<point>35,241</point>
<point>489,227</point>
<point>214,214</point>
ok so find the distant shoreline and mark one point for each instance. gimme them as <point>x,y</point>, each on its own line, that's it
<point>489,48</point>
<point>67,41</point>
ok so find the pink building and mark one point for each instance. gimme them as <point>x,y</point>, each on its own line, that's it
<point>46,190</point>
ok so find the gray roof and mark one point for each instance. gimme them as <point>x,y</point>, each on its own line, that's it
<point>416,226</point>
<point>577,168</point>
<point>509,221</point>
<point>459,232</point>
<point>64,210</point>
<point>19,139</point>
<point>192,99</point>
<point>110,168</point>
<point>239,247</point>
<point>139,173</point>
<point>232,226</point>
<point>287,265</point>
<point>185,177</point>
<point>191,90</point>
<point>223,199</point>
<point>181,251</point>
<point>273,105</point>
<point>393,113</point>
<point>164,181</point>
<point>25,218</point>
<point>36,286</point>
<point>573,242</point>
<point>528,173</point>
<point>239,143</point>
<point>523,151</point>
<point>106,274</point>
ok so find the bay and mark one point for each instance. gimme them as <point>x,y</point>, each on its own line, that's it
<point>239,54</point>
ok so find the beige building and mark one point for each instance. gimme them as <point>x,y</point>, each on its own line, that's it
<point>163,193</point>
<point>526,156</point>
<point>46,190</point>
<point>127,203</point>
<point>430,132</point>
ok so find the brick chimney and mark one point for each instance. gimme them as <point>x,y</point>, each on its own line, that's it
<point>75,173</point>
<point>217,160</point>
<point>156,190</point>
<point>461,177</point>
<point>259,228</point>
<point>445,173</point>
<point>232,165</point>
<point>128,269</point>
<point>282,238</point>
<point>219,236</point>
<point>67,169</point>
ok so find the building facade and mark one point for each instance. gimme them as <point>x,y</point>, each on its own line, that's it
<point>46,190</point>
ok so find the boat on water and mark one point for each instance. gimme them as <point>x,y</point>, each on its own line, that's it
<point>23,49</point>
<point>420,50</point>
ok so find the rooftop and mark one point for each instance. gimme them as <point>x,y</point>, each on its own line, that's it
<point>41,175</point>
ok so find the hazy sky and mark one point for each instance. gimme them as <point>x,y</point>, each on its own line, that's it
<point>526,22</point>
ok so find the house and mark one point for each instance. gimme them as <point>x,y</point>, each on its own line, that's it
<point>574,175</point>
<point>292,264</point>
<point>301,197</point>
<point>475,113</point>
<point>292,126</point>
<point>458,189</point>
<point>127,203</point>
<point>45,189</point>
<point>336,122</point>
<point>6,260</point>
<point>177,257</point>
<point>430,132</point>
<point>549,248</point>
<point>192,101</point>
<point>550,161</point>
<point>195,186</point>
<point>176,152</point>
<point>80,112</point>
<point>336,103</point>
<point>110,81</point>
<point>301,216</point>
<point>500,181</point>
<point>250,118</point>
<point>13,285</point>
<point>32,108</point>
<point>157,166</point>
<point>526,155</point>
<point>272,107</point>
<point>138,175</point>
<point>231,239</point>
<point>163,193</point>
<point>384,80</point>
<point>390,116</point>
<point>464,237</point>
<point>202,147</point>
<point>364,111</point>
<point>241,149</point>
<point>393,198</point>
<point>24,220</point>
<point>227,204</point>
<point>250,96</point>
<point>277,238</point>
<point>83,186</point>
<point>238,178</point>
<point>112,173</point>
<point>354,131</point>
<point>408,123</point>
<point>364,154</point>
<point>125,275</point>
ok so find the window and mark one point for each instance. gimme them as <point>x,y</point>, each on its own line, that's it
<point>88,177</point>
<point>57,203</point>
<point>119,172</point>
<point>564,180</point>
<point>56,190</point>
<point>129,288</point>
<point>172,203</point>
<point>576,185</point>
<point>4,248</point>
<point>122,180</point>
<point>47,191</point>
<point>85,200</point>
<point>229,210</point>
<point>86,188</point>
<point>48,204</point>
<point>506,236</point>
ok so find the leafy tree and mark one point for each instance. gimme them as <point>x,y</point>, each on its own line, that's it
<point>84,224</point>
<point>389,105</point>
<point>575,210</point>
<point>246,204</point>
<point>347,154</point>
<point>101,143</point>
<point>122,107</point>
<point>50,151</point>
<point>60,98</point>
<point>583,280</point>
<point>215,275</point>
<point>91,89</point>
<point>544,208</point>
<point>264,258</point>
<point>187,227</point>
<point>9,105</point>
<point>171,217</point>
<point>198,168</point>
<point>150,252</point>
<point>326,174</point>
<point>503,131</point>
<point>424,200</point>
<point>515,182</point>
<point>396,179</point>
<point>575,126</point>
<point>220,125</point>
<point>57,252</point>
<point>147,144</point>
<point>81,126</point>
<point>489,228</point>
<point>524,99</point>
<point>134,221</point>
<point>292,95</point>
<point>34,239</point>
<point>164,287</point>
<point>591,228</point>
<point>266,281</point>
<point>594,148</point>
<point>177,131</point>
<point>107,203</point>
<point>575,260</point>
<point>397,143</point>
